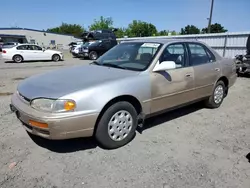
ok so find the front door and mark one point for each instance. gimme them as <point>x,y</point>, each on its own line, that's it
<point>38,53</point>
<point>173,87</point>
<point>206,70</point>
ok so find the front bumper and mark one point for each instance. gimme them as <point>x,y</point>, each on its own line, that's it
<point>62,57</point>
<point>59,127</point>
<point>84,54</point>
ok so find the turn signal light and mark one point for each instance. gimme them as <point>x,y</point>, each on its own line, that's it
<point>69,105</point>
<point>38,124</point>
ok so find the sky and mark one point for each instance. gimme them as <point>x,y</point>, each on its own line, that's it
<point>171,15</point>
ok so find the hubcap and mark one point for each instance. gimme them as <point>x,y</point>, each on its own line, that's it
<point>56,58</point>
<point>120,125</point>
<point>93,56</point>
<point>218,94</point>
<point>18,59</point>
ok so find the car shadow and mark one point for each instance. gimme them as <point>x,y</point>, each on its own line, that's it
<point>84,58</point>
<point>65,146</point>
<point>248,157</point>
<point>69,145</point>
<point>12,62</point>
<point>171,115</point>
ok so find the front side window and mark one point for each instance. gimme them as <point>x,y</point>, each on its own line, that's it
<point>130,55</point>
<point>34,47</point>
<point>176,53</point>
<point>198,54</point>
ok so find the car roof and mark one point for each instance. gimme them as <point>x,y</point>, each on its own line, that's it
<point>167,41</point>
<point>26,44</point>
<point>162,41</point>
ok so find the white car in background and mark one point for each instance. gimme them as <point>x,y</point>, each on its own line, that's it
<point>30,52</point>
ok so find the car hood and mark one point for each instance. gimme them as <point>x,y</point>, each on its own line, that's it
<point>56,84</point>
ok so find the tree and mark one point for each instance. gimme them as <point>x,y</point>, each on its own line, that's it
<point>163,33</point>
<point>141,29</point>
<point>215,28</point>
<point>71,29</point>
<point>174,32</point>
<point>121,32</point>
<point>102,23</point>
<point>190,29</point>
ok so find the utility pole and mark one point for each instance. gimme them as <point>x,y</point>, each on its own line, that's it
<point>210,17</point>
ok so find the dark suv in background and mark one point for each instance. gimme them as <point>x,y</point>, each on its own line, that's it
<point>97,43</point>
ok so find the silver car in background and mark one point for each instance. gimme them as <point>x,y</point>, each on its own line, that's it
<point>113,95</point>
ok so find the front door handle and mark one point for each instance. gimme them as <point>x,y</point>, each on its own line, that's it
<point>217,69</point>
<point>188,75</point>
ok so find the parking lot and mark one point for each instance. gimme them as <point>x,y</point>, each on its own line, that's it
<point>189,147</point>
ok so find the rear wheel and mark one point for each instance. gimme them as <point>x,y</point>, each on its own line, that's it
<point>216,99</point>
<point>17,59</point>
<point>55,57</point>
<point>93,55</point>
<point>117,125</point>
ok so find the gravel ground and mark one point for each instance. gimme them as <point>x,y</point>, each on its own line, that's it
<point>190,147</point>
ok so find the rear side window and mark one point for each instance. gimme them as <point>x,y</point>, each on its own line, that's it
<point>22,47</point>
<point>199,54</point>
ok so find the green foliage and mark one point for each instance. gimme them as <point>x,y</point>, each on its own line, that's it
<point>174,33</point>
<point>215,28</point>
<point>141,29</point>
<point>163,33</point>
<point>190,29</point>
<point>121,32</point>
<point>102,23</point>
<point>137,28</point>
<point>70,29</point>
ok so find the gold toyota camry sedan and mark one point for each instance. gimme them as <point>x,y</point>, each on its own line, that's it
<point>112,96</point>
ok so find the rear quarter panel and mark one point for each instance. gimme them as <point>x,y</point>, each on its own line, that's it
<point>229,70</point>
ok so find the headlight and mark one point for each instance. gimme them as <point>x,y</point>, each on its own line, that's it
<point>50,105</point>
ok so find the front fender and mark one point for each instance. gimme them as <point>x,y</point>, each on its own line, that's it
<point>95,98</point>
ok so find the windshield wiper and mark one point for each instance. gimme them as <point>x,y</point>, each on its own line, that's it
<point>113,65</point>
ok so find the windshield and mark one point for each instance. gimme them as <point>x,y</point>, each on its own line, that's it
<point>88,43</point>
<point>94,43</point>
<point>132,55</point>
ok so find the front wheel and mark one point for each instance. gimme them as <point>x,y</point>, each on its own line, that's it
<point>117,125</point>
<point>55,57</point>
<point>93,55</point>
<point>216,99</point>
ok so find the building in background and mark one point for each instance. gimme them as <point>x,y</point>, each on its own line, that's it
<point>41,38</point>
<point>4,38</point>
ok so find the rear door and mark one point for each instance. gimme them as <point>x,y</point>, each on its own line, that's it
<point>25,52</point>
<point>206,69</point>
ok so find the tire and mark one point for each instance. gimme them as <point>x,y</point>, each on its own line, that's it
<point>111,136</point>
<point>211,102</point>
<point>17,58</point>
<point>93,55</point>
<point>55,57</point>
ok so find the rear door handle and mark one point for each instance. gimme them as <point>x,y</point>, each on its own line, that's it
<point>188,75</point>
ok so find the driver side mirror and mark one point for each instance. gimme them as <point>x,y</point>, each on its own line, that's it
<point>165,65</point>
